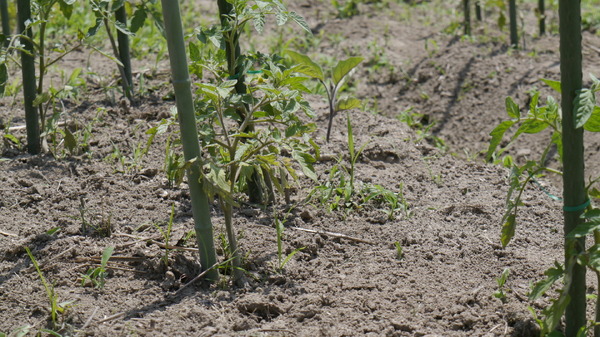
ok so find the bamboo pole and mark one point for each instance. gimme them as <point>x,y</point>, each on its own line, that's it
<point>5,21</point>
<point>542,18</point>
<point>573,176</point>
<point>189,135</point>
<point>124,56</point>
<point>29,83</point>
<point>512,14</point>
<point>467,14</point>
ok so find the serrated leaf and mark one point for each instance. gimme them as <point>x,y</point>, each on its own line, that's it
<point>583,105</point>
<point>306,66</point>
<point>305,160</point>
<point>534,102</point>
<point>138,19</point>
<point>512,109</point>
<point>281,18</point>
<point>123,28</point>
<point>259,23</point>
<point>93,30</point>
<point>593,123</point>
<point>508,230</point>
<point>344,67</point>
<point>552,276</point>
<point>195,55</point>
<point>300,21</point>
<point>348,103</point>
<point>497,135</point>
<point>556,85</point>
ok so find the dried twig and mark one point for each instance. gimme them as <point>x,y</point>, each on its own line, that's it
<point>7,234</point>
<point>112,317</point>
<point>335,235</point>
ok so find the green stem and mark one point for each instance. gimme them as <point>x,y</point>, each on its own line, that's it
<point>189,135</point>
<point>467,14</point>
<point>29,84</point>
<point>478,15</point>
<point>5,21</point>
<point>238,275</point>
<point>512,14</point>
<point>542,14</point>
<point>573,171</point>
<point>124,82</point>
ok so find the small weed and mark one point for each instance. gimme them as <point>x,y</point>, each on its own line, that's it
<point>166,234</point>
<point>102,227</point>
<point>399,251</point>
<point>97,276</point>
<point>282,259</point>
<point>501,292</point>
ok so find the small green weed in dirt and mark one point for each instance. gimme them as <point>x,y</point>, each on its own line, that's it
<point>338,75</point>
<point>166,234</point>
<point>56,308</point>
<point>501,292</point>
<point>97,276</point>
<point>102,226</point>
<point>422,124</point>
<point>282,259</point>
<point>346,8</point>
<point>399,251</point>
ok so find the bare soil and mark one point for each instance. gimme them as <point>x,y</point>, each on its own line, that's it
<point>351,284</point>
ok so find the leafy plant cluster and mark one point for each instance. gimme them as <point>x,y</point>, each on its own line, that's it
<point>538,118</point>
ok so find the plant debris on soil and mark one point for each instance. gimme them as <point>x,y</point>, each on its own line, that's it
<point>349,278</point>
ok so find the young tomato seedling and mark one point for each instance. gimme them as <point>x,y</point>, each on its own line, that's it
<point>308,67</point>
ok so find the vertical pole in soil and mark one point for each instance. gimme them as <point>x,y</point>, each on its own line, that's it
<point>467,13</point>
<point>189,135</point>
<point>478,15</point>
<point>123,40</point>
<point>5,21</point>
<point>573,176</point>
<point>32,121</point>
<point>512,14</point>
<point>542,16</point>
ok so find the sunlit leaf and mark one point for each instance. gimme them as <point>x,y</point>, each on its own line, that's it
<point>306,66</point>
<point>138,19</point>
<point>512,109</point>
<point>593,123</point>
<point>497,135</point>
<point>344,67</point>
<point>552,276</point>
<point>348,103</point>
<point>556,85</point>
<point>508,230</point>
<point>583,105</point>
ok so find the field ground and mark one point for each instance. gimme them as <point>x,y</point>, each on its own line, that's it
<point>351,284</point>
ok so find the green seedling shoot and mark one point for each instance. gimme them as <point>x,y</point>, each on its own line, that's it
<point>399,250</point>
<point>501,292</point>
<point>166,234</point>
<point>339,73</point>
<point>282,259</point>
<point>97,276</point>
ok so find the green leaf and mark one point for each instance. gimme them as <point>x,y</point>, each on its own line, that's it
<point>306,66</point>
<point>300,21</point>
<point>305,160</point>
<point>583,105</point>
<point>138,19</point>
<point>593,123</point>
<point>556,85</point>
<point>66,7</point>
<point>123,28</point>
<point>195,55</point>
<point>553,275</point>
<point>348,103</point>
<point>93,30</point>
<point>532,126</point>
<point>12,138</point>
<point>344,67</point>
<point>70,142</point>
<point>512,108</point>
<point>259,23</point>
<point>508,230</point>
<point>497,135</point>
<point>108,251</point>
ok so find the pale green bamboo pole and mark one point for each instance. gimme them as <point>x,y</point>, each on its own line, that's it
<point>32,119</point>
<point>189,134</point>
<point>124,56</point>
<point>573,171</point>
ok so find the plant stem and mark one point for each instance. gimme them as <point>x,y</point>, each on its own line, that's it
<point>478,15</point>
<point>573,172</point>
<point>512,13</point>
<point>189,135</point>
<point>542,19</point>
<point>113,44</point>
<point>467,13</point>
<point>124,56</point>
<point>5,21</point>
<point>29,86</point>
<point>238,275</point>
